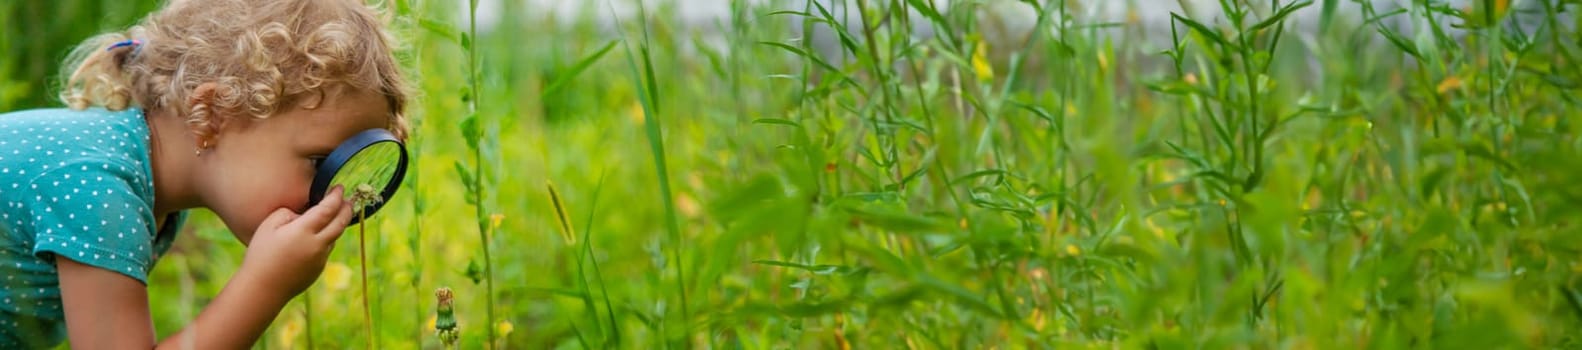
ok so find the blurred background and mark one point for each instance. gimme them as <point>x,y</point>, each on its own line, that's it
<point>944,174</point>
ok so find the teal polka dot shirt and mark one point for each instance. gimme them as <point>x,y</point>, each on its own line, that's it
<point>75,185</point>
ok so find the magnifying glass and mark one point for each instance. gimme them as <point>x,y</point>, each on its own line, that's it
<point>373,158</point>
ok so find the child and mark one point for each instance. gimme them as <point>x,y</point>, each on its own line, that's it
<point>219,104</point>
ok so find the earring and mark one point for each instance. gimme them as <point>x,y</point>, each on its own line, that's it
<point>201,146</point>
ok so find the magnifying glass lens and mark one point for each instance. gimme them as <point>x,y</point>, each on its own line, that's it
<point>368,167</point>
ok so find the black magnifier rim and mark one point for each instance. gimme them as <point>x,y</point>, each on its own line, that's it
<point>343,153</point>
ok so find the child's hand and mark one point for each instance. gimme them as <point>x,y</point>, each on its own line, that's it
<point>288,251</point>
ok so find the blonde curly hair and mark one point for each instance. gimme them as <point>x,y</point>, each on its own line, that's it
<point>262,55</point>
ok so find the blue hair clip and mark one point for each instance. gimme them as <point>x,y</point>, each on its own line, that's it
<point>134,43</point>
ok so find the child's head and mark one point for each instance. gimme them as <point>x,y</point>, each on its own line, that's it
<point>265,89</point>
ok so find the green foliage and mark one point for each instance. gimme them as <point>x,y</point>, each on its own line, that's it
<point>1398,178</point>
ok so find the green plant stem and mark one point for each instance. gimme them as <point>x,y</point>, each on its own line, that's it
<point>488,275</point>
<point>362,255</point>
<point>478,163</point>
<point>307,316</point>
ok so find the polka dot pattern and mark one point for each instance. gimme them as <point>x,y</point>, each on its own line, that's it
<point>74,185</point>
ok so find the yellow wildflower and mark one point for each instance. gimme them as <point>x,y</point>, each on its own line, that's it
<point>495,219</point>
<point>980,62</point>
<point>289,332</point>
<point>503,327</point>
<point>687,206</point>
<point>636,113</point>
<point>1154,228</point>
<point>1450,82</point>
<point>337,276</point>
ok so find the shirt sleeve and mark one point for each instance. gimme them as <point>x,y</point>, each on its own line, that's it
<point>90,213</point>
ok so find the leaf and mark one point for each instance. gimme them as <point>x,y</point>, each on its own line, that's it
<point>1574,299</point>
<point>899,298</point>
<point>1430,182</point>
<point>1211,34</point>
<point>981,173</point>
<point>1279,15</point>
<point>962,296</point>
<point>444,30</point>
<point>786,12</point>
<point>846,41</point>
<point>928,10</point>
<point>652,111</point>
<point>1141,254</point>
<point>1038,111</point>
<point>1174,87</point>
<point>473,272</point>
<point>820,269</point>
<point>468,182</point>
<point>928,160</point>
<point>560,213</point>
<point>1473,148</point>
<point>804,54</point>
<point>800,308</point>
<point>577,69</point>
<point>649,94</point>
<point>470,131</point>
<point>897,221</point>
<point>1400,42</point>
<point>776,121</point>
<point>1326,17</point>
<point>1482,150</point>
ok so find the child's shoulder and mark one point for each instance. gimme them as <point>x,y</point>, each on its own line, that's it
<point>62,119</point>
<point>60,130</point>
<point>40,142</point>
<point>79,183</point>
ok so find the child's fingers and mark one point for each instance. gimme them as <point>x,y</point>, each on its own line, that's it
<point>333,231</point>
<point>319,215</point>
<point>280,217</point>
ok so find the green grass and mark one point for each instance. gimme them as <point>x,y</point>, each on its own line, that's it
<point>1243,185</point>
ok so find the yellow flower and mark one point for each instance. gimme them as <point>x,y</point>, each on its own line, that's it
<point>636,113</point>
<point>687,206</point>
<point>503,328</point>
<point>1450,82</point>
<point>289,332</point>
<point>431,320</point>
<point>337,276</point>
<point>1152,227</point>
<point>1071,249</point>
<point>980,62</point>
<point>1037,318</point>
<point>494,220</point>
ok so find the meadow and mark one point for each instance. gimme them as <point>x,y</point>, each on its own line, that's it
<point>1386,177</point>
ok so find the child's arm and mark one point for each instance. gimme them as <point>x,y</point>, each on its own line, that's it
<point>107,310</point>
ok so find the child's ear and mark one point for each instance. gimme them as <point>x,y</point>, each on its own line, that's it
<point>203,120</point>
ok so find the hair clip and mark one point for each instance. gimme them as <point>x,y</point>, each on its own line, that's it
<point>134,43</point>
